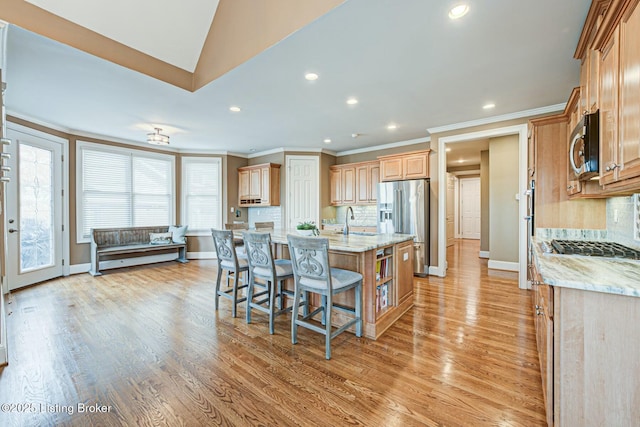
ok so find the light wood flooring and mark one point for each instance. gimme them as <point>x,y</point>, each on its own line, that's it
<point>146,343</point>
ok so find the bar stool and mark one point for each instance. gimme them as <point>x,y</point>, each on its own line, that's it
<point>312,273</point>
<point>229,261</point>
<point>273,272</point>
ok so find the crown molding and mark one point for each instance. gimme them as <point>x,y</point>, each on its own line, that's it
<point>495,119</point>
<point>383,146</point>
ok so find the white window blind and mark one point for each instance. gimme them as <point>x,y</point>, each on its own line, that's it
<point>201,189</point>
<point>122,188</point>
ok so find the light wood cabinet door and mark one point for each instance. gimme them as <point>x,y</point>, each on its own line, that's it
<point>255,184</point>
<point>416,166</point>
<point>335,181</point>
<point>265,188</point>
<point>349,185</point>
<point>363,184</point>
<point>244,185</point>
<point>404,271</point>
<point>374,180</point>
<point>629,164</point>
<point>391,169</point>
<point>609,67</point>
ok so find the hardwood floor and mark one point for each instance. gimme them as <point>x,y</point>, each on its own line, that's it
<point>146,343</point>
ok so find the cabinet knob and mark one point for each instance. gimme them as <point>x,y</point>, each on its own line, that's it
<point>569,187</point>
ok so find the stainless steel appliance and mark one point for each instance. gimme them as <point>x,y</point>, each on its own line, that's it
<point>583,147</point>
<point>594,248</point>
<point>403,207</point>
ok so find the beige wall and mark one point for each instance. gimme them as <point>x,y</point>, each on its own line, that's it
<point>503,183</point>
<point>485,210</point>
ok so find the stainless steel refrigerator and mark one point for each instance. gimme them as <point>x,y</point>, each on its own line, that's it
<point>403,207</point>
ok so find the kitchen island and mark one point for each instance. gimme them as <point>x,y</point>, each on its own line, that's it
<point>386,264</point>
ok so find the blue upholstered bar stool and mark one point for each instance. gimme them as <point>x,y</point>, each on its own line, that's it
<point>312,273</point>
<point>232,264</point>
<point>268,274</point>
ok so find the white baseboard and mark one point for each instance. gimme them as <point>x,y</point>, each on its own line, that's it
<point>434,270</point>
<point>79,268</point>
<point>483,254</point>
<point>201,255</point>
<point>504,265</point>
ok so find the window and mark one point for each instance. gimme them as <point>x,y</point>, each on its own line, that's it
<point>201,194</point>
<point>122,188</point>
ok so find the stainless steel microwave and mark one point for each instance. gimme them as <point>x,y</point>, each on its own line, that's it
<point>584,147</point>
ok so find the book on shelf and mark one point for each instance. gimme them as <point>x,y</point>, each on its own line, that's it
<point>384,297</point>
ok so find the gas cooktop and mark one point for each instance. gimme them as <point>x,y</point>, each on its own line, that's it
<point>594,248</point>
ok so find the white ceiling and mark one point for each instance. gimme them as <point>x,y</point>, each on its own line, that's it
<point>149,26</point>
<point>406,62</point>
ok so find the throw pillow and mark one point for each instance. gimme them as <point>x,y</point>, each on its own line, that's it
<point>178,232</point>
<point>160,238</point>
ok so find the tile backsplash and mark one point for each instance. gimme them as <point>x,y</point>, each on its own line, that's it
<point>621,216</point>
<point>264,214</point>
<point>364,215</point>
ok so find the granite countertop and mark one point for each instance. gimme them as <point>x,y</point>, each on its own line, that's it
<point>349,243</point>
<point>599,274</point>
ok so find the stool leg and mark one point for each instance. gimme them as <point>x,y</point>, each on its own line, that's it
<point>327,310</point>
<point>250,288</point>
<point>235,294</point>
<point>294,316</point>
<point>272,304</point>
<point>218,280</point>
<point>359,310</point>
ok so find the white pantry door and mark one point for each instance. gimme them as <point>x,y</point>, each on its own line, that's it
<point>470,208</point>
<point>303,190</point>
<point>34,210</point>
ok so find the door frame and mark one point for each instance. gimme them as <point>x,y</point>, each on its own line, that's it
<point>288,187</point>
<point>64,148</point>
<point>521,131</point>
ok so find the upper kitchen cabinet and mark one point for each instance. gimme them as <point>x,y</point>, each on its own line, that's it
<point>259,185</point>
<point>354,183</point>
<point>618,42</point>
<point>399,167</point>
<point>367,178</point>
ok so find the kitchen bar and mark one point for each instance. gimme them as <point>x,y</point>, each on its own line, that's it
<point>385,262</point>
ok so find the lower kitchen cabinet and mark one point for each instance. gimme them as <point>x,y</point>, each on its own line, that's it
<point>588,344</point>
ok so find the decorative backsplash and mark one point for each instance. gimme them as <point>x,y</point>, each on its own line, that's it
<point>364,215</point>
<point>273,213</point>
<point>621,216</point>
<point>570,234</point>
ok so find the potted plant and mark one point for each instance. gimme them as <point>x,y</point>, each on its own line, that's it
<point>307,228</point>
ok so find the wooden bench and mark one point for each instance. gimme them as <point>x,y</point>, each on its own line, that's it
<point>128,240</point>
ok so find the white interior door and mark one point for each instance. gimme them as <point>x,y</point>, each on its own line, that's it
<point>303,190</point>
<point>451,209</point>
<point>34,212</point>
<point>470,208</point>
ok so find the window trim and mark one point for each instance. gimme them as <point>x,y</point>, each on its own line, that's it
<point>183,193</point>
<point>131,152</point>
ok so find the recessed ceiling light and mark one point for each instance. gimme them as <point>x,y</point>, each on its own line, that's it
<point>235,109</point>
<point>461,161</point>
<point>311,76</point>
<point>352,101</point>
<point>447,149</point>
<point>458,11</point>
<point>392,126</point>
<point>327,141</point>
<point>488,106</point>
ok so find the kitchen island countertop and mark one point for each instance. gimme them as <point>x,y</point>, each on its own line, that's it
<point>348,243</point>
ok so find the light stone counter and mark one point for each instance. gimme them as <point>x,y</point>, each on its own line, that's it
<point>349,243</point>
<point>599,274</point>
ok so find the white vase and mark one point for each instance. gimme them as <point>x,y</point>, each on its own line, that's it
<point>305,232</point>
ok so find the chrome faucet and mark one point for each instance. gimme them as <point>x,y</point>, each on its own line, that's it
<point>345,231</point>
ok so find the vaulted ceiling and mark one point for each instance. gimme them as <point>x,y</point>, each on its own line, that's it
<point>118,68</point>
